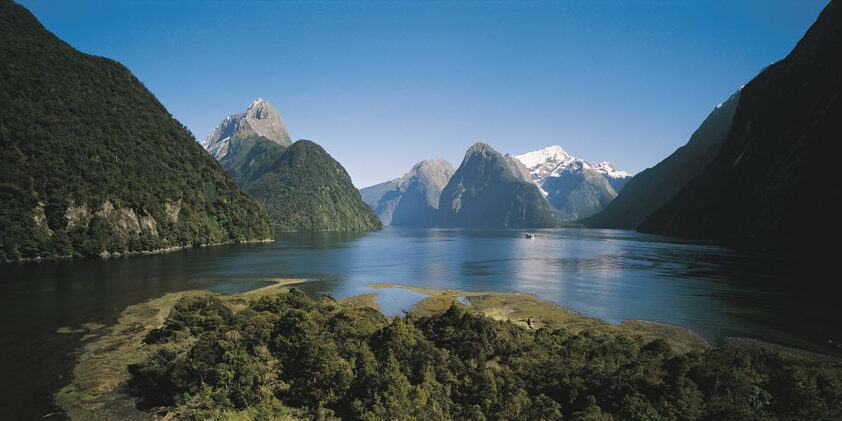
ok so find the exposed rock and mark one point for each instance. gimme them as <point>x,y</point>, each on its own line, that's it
<point>260,119</point>
<point>148,223</point>
<point>172,210</point>
<point>413,199</point>
<point>40,219</point>
<point>123,220</point>
<point>78,216</point>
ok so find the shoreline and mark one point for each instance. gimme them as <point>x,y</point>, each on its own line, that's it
<point>108,255</point>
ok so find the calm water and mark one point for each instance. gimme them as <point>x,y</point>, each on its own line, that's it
<point>614,275</point>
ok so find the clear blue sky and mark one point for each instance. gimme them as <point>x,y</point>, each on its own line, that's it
<point>383,85</point>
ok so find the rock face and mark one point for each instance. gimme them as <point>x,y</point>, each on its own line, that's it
<point>769,182</point>
<point>91,161</point>
<point>654,187</point>
<point>412,200</point>
<point>488,191</point>
<point>307,190</point>
<point>574,188</point>
<point>260,119</point>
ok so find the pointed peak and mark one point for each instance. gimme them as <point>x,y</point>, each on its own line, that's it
<point>479,147</point>
<point>554,148</point>
<point>260,104</point>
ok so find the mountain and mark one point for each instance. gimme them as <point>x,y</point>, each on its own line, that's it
<point>488,191</point>
<point>260,120</point>
<point>93,163</point>
<point>412,200</point>
<point>249,157</point>
<point>771,181</point>
<point>307,190</point>
<point>574,188</point>
<point>301,187</point>
<point>654,187</point>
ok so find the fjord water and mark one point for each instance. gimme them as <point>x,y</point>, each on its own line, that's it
<point>614,275</point>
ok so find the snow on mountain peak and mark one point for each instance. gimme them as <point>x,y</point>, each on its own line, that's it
<point>608,170</point>
<point>552,161</point>
<point>540,157</point>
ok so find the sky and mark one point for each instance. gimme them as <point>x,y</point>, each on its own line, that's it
<point>382,85</point>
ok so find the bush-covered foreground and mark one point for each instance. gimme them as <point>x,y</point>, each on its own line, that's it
<point>285,355</point>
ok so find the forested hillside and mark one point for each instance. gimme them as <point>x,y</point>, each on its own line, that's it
<point>307,190</point>
<point>91,162</point>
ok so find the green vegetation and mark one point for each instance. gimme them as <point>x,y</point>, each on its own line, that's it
<point>307,190</point>
<point>93,163</point>
<point>250,157</point>
<point>541,313</point>
<point>284,355</point>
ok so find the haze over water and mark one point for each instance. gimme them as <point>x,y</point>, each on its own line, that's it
<point>613,275</point>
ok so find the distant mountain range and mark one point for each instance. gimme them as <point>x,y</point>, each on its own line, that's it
<point>412,200</point>
<point>93,164</point>
<point>300,185</point>
<point>574,188</point>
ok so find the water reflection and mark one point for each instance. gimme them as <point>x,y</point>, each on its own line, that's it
<point>614,275</point>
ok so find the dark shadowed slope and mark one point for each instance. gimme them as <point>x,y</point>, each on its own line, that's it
<point>92,162</point>
<point>772,178</point>
<point>652,188</point>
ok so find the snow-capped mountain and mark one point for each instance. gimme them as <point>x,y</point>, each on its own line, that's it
<point>552,161</point>
<point>260,119</point>
<point>574,187</point>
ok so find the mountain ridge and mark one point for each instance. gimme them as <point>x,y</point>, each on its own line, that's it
<point>653,187</point>
<point>768,181</point>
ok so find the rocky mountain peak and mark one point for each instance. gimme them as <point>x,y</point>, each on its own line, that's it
<point>479,148</point>
<point>260,119</point>
<point>554,160</point>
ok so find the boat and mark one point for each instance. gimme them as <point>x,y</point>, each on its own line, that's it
<point>529,235</point>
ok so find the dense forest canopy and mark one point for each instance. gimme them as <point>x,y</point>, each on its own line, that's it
<point>92,162</point>
<point>301,187</point>
<point>286,355</point>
